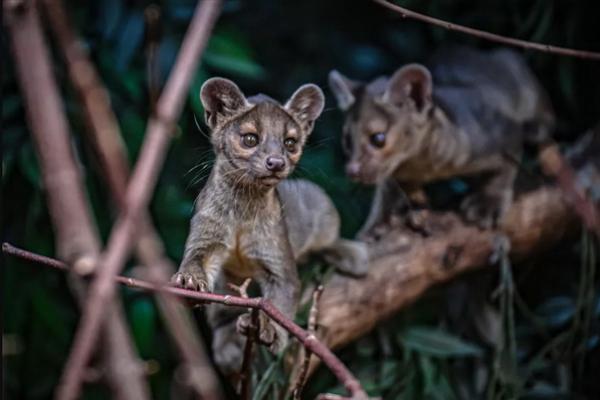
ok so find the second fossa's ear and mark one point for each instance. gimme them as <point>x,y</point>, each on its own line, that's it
<point>342,89</point>
<point>411,82</point>
<point>221,99</point>
<point>305,105</point>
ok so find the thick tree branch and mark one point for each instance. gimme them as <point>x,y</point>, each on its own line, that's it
<point>76,238</point>
<point>536,221</point>
<point>546,48</point>
<point>138,193</point>
<point>105,135</point>
<point>309,341</point>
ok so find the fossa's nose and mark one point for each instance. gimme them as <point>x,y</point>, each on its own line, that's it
<point>353,169</point>
<point>275,163</point>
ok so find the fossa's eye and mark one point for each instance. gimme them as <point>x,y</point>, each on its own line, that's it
<point>290,144</point>
<point>377,139</point>
<point>249,140</point>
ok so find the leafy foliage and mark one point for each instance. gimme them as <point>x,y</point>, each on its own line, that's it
<point>548,313</point>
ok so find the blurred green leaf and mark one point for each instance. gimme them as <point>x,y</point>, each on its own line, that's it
<point>436,343</point>
<point>143,324</point>
<point>231,54</point>
<point>556,311</point>
<point>29,166</point>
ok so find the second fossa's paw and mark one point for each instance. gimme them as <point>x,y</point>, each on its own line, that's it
<point>482,210</point>
<point>190,280</point>
<point>269,333</point>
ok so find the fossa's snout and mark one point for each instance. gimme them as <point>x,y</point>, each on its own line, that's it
<point>353,170</point>
<point>275,163</point>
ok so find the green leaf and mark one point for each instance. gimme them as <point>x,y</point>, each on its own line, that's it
<point>230,53</point>
<point>267,379</point>
<point>143,324</point>
<point>437,343</point>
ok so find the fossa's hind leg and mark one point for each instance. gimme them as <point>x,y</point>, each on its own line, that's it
<point>487,207</point>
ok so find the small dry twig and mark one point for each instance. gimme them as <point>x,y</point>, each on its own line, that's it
<point>546,48</point>
<point>555,165</point>
<point>313,317</point>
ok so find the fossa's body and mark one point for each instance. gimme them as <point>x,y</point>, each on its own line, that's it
<point>251,223</point>
<point>468,113</point>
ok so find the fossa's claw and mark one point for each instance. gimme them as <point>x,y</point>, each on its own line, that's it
<point>189,280</point>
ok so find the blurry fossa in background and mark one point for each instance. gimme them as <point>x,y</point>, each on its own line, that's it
<point>467,114</point>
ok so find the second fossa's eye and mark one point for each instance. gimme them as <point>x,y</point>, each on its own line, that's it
<point>377,139</point>
<point>250,140</point>
<point>290,144</point>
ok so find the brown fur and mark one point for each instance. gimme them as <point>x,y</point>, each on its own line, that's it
<point>250,224</point>
<point>463,116</point>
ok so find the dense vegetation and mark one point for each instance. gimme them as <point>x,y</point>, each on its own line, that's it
<point>550,306</point>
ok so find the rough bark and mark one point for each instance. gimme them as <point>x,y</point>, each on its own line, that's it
<point>350,308</point>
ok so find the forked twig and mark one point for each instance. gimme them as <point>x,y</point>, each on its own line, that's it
<point>245,377</point>
<point>313,317</point>
<point>139,191</point>
<point>105,136</point>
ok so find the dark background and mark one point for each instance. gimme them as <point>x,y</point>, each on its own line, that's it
<point>273,47</point>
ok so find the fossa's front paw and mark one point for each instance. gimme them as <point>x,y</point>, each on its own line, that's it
<point>190,280</point>
<point>482,209</point>
<point>269,333</point>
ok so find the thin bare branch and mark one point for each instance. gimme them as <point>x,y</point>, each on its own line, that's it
<point>105,135</point>
<point>76,237</point>
<point>546,48</point>
<point>555,165</point>
<point>138,194</point>
<point>313,317</point>
<point>309,341</point>
<point>245,384</point>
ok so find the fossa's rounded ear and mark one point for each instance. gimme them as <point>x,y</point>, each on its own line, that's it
<point>411,82</point>
<point>342,89</point>
<point>221,99</point>
<point>306,104</point>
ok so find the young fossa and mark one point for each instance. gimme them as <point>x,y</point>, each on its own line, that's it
<point>249,221</point>
<point>467,114</point>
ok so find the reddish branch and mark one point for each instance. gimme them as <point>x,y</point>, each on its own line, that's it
<point>309,341</point>
<point>105,135</point>
<point>245,384</point>
<point>554,164</point>
<point>313,317</point>
<point>406,13</point>
<point>138,194</point>
<point>76,238</point>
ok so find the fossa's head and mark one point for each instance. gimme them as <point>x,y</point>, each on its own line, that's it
<point>259,140</point>
<point>385,120</point>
